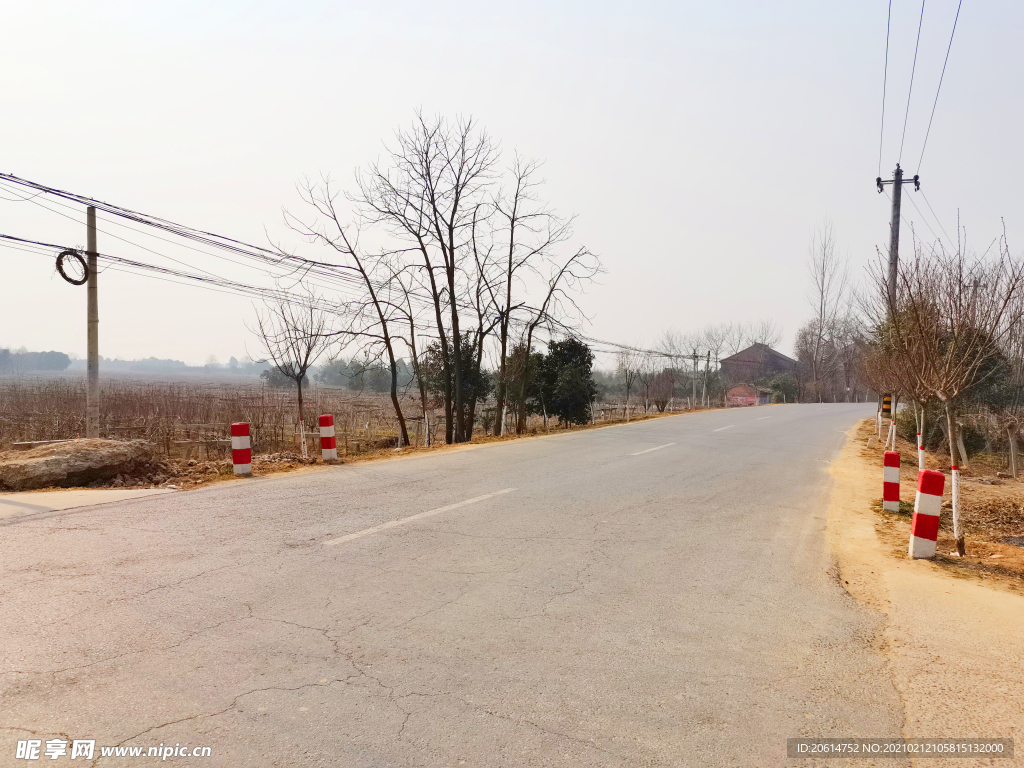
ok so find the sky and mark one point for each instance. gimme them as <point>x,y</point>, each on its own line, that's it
<point>699,144</point>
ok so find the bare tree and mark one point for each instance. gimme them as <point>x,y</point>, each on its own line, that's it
<point>645,372</point>
<point>428,195</point>
<point>627,363</point>
<point>563,280</point>
<point>764,332</point>
<point>735,337</point>
<point>371,314</point>
<point>714,339</point>
<point>294,335</point>
<point>530,231</point>
<point>827,297</point>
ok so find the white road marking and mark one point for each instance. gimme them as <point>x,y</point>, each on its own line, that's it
<point>762,418</point>
<point>413,518</point>
<point>721,428</point>
<point>666,445</point>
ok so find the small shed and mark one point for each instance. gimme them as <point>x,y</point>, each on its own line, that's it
<point>745,394</point>
<point>741,394</point>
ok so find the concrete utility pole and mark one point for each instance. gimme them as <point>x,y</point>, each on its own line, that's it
<point>695,377</point>
<point>894,227</point>
<point>92,395</point>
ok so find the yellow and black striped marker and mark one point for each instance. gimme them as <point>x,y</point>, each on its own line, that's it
<point>887,405</point>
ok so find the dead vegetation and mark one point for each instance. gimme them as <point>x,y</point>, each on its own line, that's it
<point>188,425</point>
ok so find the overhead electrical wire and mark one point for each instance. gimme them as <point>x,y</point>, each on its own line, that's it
<point>910,224</point>
<point>3,185</point>
<point>939,89</point>
<point>324,271</point>
<point>121,263</point>
<point>912,70</point>
<point>925,220</point>
<point>937,219</point>
<point>342,282</point>
<point>885,79</point>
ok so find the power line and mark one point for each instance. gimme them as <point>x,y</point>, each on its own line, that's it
<point>937,219</point>
<point>939,89</point>
<point>189,233</point>
<point>910,223</point>
<point>233,288</point>
<point>885,78</point>
<point>226,286</point>
<point>912,70</point>
<point>342,282</point>
<point>341,276</point>
<point>925,220</point>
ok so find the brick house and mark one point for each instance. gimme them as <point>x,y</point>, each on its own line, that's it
<point>755,363</point>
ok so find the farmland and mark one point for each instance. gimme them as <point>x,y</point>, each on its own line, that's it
<point>184,414</point>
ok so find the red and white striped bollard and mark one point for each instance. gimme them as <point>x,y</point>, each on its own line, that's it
<point>924,528</point>
<point>328,442</point>
<point>891,482</point>
<point>241,448</point>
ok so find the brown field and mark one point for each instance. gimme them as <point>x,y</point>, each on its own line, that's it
<point>192,417</point>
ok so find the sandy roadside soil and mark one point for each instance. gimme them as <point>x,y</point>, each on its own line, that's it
<point>955,644</point>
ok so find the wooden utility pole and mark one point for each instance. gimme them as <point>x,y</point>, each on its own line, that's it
<point>92,395</point>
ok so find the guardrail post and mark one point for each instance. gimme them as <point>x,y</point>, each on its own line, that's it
<point>328,442</point>
<point>924,528</point>
<point>241,448</point>
<point>891,482</point>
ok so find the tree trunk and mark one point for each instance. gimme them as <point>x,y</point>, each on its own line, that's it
<point>960,445</point>
<point>920,443</point>
<point>521,410</point>
<point>1011,434</point>
<point>403,433</point>
<point>954,459</point>
<point>502,390</point>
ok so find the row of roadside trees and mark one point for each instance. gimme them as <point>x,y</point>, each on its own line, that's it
<point>946,339</point>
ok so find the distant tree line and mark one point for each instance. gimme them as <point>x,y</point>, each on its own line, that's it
<point>23,361</point>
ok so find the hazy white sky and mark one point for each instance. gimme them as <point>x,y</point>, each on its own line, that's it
<point>699,143</point>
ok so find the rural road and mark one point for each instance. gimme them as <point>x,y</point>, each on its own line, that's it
<point>654,594</point>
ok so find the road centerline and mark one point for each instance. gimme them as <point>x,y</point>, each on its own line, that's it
<point>638,453</point>
<point>721,428</point>
<point>413,518</point>
<point>762,418</point>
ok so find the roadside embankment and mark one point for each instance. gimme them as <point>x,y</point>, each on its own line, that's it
<point>954,637</point>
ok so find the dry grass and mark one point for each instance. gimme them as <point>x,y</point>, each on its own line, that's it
<point>178,415</point>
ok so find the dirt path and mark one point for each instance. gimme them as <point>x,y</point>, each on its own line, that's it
<point>955,643</point>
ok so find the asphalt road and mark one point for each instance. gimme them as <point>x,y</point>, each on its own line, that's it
<point>659,593</point>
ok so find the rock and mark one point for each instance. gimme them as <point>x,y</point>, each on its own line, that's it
<point>75,463</point>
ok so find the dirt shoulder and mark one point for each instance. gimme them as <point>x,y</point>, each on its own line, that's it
<point>954,637</point>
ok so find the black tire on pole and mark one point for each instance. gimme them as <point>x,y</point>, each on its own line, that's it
<point>72,254</point>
